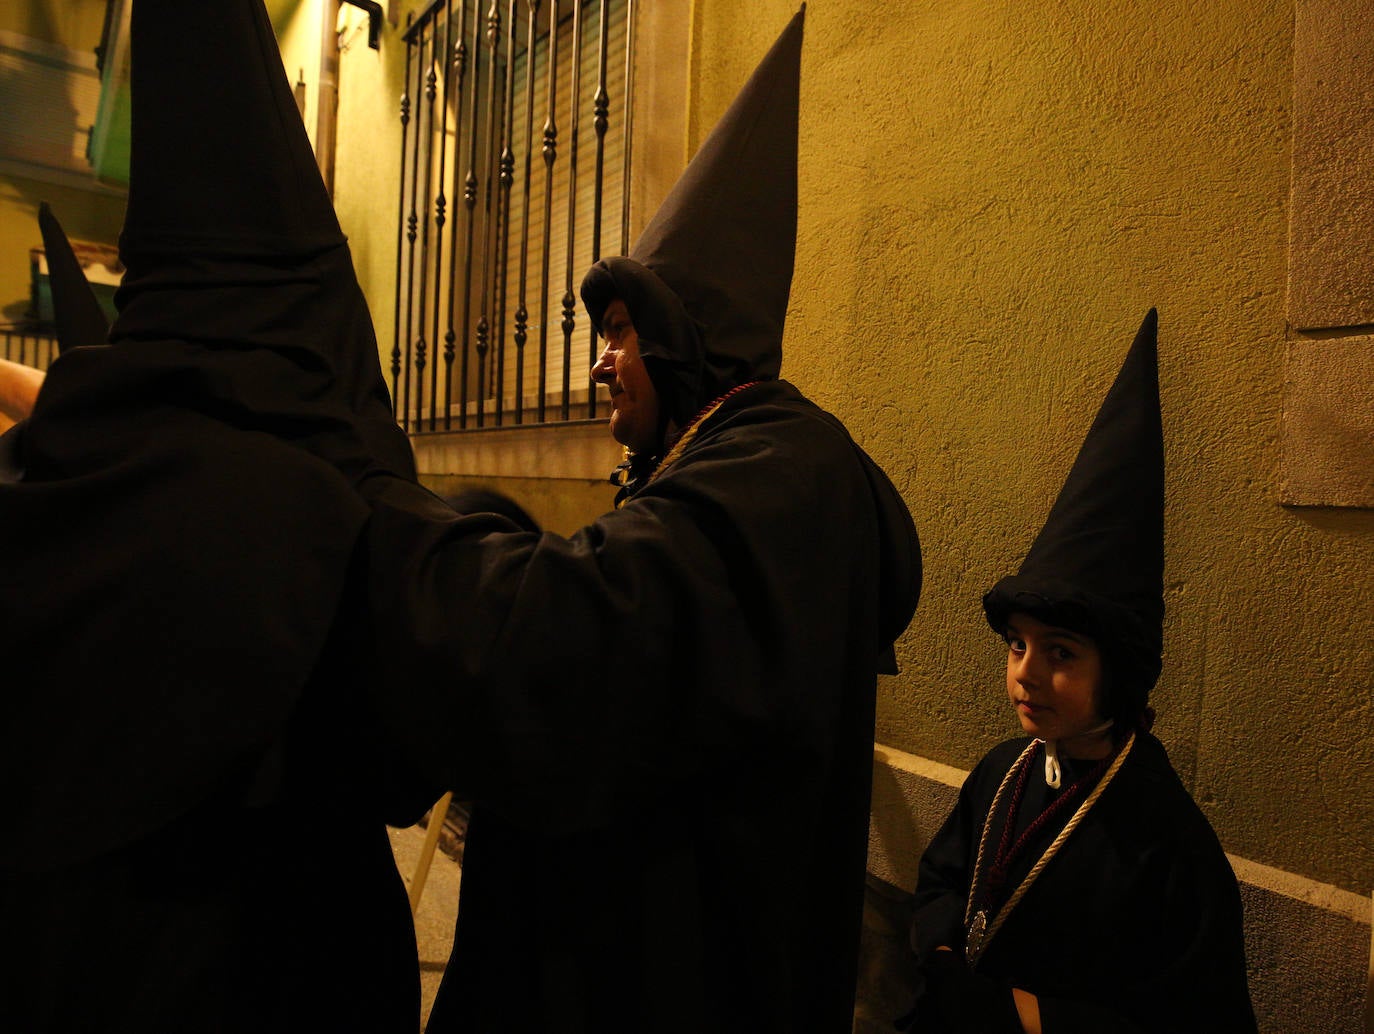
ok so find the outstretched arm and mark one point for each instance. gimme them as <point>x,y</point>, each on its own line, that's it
<point>19,386</point>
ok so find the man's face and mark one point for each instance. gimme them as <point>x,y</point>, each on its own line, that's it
<point>634,402</point>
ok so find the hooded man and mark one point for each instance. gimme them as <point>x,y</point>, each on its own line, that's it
<point>194,799</point>
<point>1076,887</point>
<point>671,712</point>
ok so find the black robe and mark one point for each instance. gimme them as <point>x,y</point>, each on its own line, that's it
<point>668,719</point>
<point>194,800</point>
<point>1134,925</point>
<point>193,792</point>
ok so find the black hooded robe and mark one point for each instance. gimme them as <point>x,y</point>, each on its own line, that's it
<point>1133,926</point>
<point>670,717</point>
<point>193,792</point>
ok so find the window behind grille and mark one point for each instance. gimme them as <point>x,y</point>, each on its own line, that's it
<point>489,329</point>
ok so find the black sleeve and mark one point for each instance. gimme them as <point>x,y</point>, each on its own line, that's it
<point>942,883</point>
<point>1187,972</point>
<point>1199,985</point>
<point>565,680</point>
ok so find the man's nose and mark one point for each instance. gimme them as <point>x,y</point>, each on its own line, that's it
<point>603,370</point>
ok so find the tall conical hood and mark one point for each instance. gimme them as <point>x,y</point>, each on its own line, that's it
<point>76,312</point>
<point>219,154</point>
<point>1098,563</point>
<point>230,240</point>
<point>707,283</point>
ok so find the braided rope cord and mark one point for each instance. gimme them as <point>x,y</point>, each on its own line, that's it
<point>974,952</point>
<point>692,428</point>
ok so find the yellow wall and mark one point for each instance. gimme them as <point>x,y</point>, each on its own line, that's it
<point>84,216</point>
<point>72,23</point>
<point>97,213</point>
<point>992,196</point>
<point>368,167</point>
<point>94,215</point>
<point>298,25</point>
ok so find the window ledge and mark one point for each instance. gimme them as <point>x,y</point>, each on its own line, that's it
<point>581,450</point>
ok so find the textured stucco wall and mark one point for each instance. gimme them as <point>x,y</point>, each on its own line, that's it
<point>992,196</point>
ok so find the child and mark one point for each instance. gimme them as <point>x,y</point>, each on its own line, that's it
<point>1076,886</point>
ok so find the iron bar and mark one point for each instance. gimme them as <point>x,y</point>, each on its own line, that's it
<point>503,215</point>
<point>522,312</point>
<point>470,202</point>
<point>488,203</point>
<point>418,20</point>
<point>412,231</point>
<point>440,207</point>
<point>627,127</point>
<point>496,278</point>
<point>400,248</point>
<point>458,71</point>
<point>602,109</point>
<point>421,346</point>
<point>34,349</point>
<point>550,152</point>
<point>569,323</point>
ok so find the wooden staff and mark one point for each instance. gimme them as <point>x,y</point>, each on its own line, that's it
<point>436,823</point>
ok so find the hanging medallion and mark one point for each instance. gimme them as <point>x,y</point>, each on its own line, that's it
<point>977,931</point>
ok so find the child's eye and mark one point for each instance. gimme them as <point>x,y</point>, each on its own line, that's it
<point>1061,653</point>
<point>1015,644</point>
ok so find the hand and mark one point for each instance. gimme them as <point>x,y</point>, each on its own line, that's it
<point>955,1000</point>
<point>18,388</point>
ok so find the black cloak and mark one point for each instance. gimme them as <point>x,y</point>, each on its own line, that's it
<point>666,719</point>
<point>185,728</point>
<point>668,722</point>
<point>1134,926</point>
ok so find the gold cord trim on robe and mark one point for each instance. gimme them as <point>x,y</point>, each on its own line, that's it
<point>693,427</point>
<point>980,931</point>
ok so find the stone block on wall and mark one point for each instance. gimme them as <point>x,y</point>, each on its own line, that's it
<point>1331,220</point>
<point>1328,423</point>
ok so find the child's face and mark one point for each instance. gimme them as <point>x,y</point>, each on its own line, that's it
<point>1054,678</point>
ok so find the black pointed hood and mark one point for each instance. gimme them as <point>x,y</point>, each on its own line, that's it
<point>76,312</point>
<point>707,283</point>
<point>182,527</point>
<point>231,244</point>
<point>1097,565</point>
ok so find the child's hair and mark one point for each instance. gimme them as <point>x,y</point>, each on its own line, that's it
<point>1130,667</point>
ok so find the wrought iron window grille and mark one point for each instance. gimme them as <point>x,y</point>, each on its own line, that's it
<point>515,158</point>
